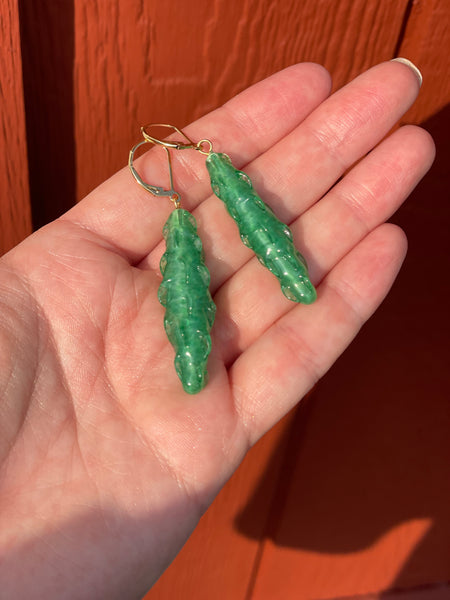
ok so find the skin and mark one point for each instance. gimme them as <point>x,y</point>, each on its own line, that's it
<point>106,465</point>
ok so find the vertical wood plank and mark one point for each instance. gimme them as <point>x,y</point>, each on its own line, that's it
<point>15,220</point>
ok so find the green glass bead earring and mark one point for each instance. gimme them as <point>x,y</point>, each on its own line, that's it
<point>184,290</point>
<point>259,228</point>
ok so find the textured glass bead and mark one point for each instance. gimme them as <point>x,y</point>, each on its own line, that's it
<point>185,295</point>
<point>260,230</point>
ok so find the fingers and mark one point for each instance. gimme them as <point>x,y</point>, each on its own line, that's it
<point>304,165</point>
<point>250,301</point>
<point>367,196</point>
<point>131,220</point>
<point>278,369</point>
<point>301,167</point>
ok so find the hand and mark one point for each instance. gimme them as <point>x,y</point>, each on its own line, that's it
<point>106,464</point>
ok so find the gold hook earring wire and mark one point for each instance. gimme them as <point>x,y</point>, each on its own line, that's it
<point>154,189</point>
<point>176,145</point>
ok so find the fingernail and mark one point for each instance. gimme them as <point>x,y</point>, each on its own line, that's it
<point>412,66</point>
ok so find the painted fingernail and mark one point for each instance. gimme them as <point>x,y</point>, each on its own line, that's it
<point>412,66</point>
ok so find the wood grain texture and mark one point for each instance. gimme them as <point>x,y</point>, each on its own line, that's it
<point>15,219</point>
<point>138,61</point>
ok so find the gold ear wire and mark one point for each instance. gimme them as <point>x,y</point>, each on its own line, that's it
<point>184,290</point>
<point>154,189</point>
<point>175,145</point>
<point>203,146</point>
<point>167,144</point>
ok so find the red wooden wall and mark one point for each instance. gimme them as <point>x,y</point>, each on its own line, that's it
<point>349,495</point>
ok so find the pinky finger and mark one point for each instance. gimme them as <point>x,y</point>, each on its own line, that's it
<point>273,374</point>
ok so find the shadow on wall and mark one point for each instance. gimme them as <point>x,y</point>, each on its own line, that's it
<point>369,448</point>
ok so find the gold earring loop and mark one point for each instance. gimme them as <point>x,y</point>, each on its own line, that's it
<point>200,146</point>
<point>176,145</point>
<point>154,189</point>
<point>166,144</point>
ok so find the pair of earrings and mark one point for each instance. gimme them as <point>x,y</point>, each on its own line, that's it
<point>184,291</point>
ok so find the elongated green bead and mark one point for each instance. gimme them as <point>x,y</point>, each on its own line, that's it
<point>260,230</point>
<point>185,295</point>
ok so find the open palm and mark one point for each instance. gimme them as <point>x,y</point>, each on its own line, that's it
<point>105,463</point>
